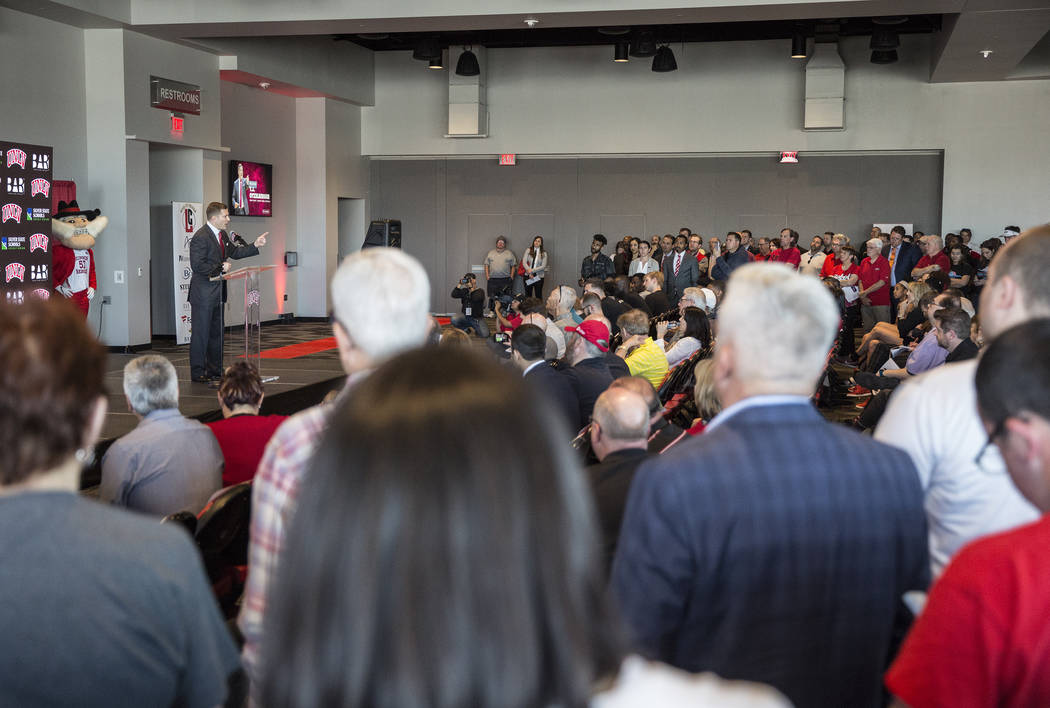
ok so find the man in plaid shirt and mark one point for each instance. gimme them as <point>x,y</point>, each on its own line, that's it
<point>381,303</point>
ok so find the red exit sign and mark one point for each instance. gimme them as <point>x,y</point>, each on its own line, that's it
<point>508,159</point>
<point>177,125</point>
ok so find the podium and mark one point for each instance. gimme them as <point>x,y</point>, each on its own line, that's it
<point>252,325</point>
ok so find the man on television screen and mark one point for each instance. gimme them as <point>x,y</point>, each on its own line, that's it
<point>210,249</point>
<point>239,192</point>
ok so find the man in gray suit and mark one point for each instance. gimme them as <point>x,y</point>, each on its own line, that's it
<point>210,248</point>
<point>681,270</point>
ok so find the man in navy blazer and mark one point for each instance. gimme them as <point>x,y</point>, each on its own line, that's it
<point>527,346</point>
<point>905,256</point>
<point>776,546</point>
<point>210,248</point>
<point>681,270</point>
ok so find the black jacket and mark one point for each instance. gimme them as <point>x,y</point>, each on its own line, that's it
<point>474,299</point>
<point>589,379</point>
<point>206,262</point>
<point>558,390</point>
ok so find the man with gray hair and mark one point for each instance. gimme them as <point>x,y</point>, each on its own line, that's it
<point>168,463</point>
<point>560,304</point>
<point>380,308</point>
<point>619,438</point>
<point>782,562</point>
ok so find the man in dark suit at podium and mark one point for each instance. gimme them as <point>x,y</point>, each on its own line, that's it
<point>210,249</point>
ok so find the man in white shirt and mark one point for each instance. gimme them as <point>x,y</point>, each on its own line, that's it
<point>934,417</point>
<point>813,259</point>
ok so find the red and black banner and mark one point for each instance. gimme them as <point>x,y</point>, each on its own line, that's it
<point>25,221</point>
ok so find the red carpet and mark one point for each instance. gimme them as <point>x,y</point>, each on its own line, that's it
<point>301,349</point>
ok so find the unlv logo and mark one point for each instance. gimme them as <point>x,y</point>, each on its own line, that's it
<point>39,186</point>
<point>16,157</point>
<point>16,185</point>
<point>38,272</point>
<point>11,211</point>
<point>15,271</point>
<point>37,241</point>
<point>253,297</point>
<point>41,293</point>
<point>40,162</point>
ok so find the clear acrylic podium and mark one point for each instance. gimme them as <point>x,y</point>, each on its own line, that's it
<point>252,326</point>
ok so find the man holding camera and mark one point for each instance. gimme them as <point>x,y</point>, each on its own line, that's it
<point>473,303</point>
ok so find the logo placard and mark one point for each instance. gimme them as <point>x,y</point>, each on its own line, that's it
<point>16,185</point>
<point>14,271</point>
<point>40,186</point>
<point>11,212</point>
<point>16,157</point>
<point>37,241</point>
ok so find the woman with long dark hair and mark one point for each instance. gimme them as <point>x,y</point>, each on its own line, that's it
<point>421,576</point>
<point>535,263</point>
<point>691,333</point>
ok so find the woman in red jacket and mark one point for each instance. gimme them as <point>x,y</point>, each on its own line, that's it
<point>243,433</point>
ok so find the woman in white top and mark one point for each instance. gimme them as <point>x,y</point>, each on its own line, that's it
<point>423,580</point>
<point>643,263</point>
<point>692,333</point>
<point>535,261</point>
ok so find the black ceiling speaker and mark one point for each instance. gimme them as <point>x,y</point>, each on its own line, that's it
<point>664,60</point>
<point>887,56</point>
<point>644,45</point>
<point>884,39</point>
<point>426,50</point>
<point>468,64</point>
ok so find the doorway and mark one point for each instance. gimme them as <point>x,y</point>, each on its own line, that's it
<point>352,226</point>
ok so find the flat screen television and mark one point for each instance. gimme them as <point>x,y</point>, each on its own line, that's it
<point>251,188</point>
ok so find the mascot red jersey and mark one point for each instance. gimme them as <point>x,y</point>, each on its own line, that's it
<point>73,261</point>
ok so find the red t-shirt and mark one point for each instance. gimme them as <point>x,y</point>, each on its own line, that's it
<point>830,264</point>
<point>758,257</point>
<point>791,256</point>
<point>515,322</point>
<point>940,259</point>
<point>984,637</point>
<point>243,439</point>
<point>873,272</point>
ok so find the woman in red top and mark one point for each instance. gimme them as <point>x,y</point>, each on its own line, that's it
<point>847,273</point>
<point>243,433</point>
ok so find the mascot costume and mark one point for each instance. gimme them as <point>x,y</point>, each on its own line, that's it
<point>73,261</point>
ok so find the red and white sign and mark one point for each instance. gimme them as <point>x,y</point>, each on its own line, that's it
<point>37,241</point>
<point>789,156</point>
<point>15,271</point>
<point>40,186</point>
<point>11,211</point>
<point>16,157</point>
<point>177,124</point>
<point>508,159</point>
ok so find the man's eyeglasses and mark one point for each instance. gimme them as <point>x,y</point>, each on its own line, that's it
<point>998,429</point>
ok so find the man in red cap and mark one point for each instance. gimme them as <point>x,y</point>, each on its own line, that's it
<point>589,374</point>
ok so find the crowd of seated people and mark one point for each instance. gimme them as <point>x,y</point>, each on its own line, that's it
<point>752,554</point>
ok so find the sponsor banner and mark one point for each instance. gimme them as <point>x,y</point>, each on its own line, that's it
<point>186,217</point>
<point>26,189</point>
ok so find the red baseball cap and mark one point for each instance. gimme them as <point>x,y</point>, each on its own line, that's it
<point>594,332</point>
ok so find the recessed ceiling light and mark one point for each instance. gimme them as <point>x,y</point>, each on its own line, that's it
<point>264,84</point>
<point>531,21</point>
<point>985,53</point>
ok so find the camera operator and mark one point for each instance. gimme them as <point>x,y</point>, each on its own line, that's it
<point>473,299</point>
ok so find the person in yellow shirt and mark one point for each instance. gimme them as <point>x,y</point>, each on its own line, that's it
<point>644,357</point>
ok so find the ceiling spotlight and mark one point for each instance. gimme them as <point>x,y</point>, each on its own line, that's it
<point>264,85</point>
<point>436,63</point>
<point>644,45</point>
<point>621,52</point>
<point>531,22</point>
<point>468,64</point>
<point>986,53</point>
<point>664,60</point>
<point>884,39</point>
<point>885,56</point>
<point>798,45</point>
<point>426,50</point>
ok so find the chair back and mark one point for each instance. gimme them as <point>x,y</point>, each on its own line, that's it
<point>222,526</point>
<point>185,519</point>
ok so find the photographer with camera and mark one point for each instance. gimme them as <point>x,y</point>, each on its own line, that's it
<point>473,303</point>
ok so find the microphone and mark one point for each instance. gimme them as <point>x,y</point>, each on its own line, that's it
<point>237,239</point>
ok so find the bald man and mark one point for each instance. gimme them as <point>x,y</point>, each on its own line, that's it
<point>619,437</point>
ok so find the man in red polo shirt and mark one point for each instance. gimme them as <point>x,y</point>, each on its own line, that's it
<point>788,253</point>
<point>832,261</point>
<point>874,286</point>
<point>935,258</point>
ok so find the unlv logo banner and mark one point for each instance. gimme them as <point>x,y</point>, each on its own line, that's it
<point>25,220</point>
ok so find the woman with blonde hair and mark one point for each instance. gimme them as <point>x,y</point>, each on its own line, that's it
<point>909,316</point>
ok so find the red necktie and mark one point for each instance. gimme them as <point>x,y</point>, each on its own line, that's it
<point>677,263</point>
<point>222,244</point>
